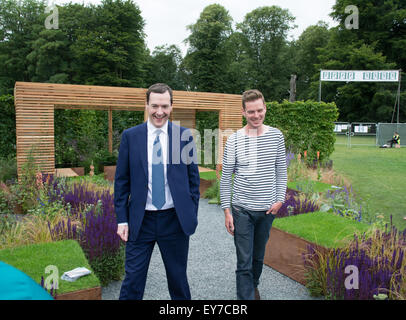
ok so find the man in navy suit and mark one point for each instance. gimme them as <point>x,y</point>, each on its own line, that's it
<point>156,196</point>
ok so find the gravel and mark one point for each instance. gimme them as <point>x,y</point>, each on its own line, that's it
<point>211,267</point>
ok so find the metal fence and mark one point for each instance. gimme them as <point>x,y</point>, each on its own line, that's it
<point>367,133</point>
<point>355,133</point>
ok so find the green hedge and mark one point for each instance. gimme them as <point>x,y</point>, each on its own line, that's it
<point>7,127</point>
<point>306,125</point>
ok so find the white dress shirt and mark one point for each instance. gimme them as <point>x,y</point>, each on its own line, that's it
<point>163,138</point>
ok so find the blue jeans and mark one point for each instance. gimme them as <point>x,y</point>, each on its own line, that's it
<point>251,233</point>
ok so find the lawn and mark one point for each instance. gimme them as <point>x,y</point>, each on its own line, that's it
<point>65,255</point>
<point>366,141</point>
<point>209,175</point>
<point>377,176</point>
<point>323,228</point>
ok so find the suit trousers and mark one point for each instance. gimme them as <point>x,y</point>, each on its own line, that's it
<point>160,227</point>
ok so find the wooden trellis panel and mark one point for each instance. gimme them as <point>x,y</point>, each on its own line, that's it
<point>35,104</point>
<point>186,117</point>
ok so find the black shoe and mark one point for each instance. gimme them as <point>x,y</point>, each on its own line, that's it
<point>257,296</point>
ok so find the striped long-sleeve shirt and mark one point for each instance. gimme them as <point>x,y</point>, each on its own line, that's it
<point>259,164</point>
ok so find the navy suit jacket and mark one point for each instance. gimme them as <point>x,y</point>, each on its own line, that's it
<point>131,178</point>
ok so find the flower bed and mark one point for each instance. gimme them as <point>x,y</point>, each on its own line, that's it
<point>95,228</point>
<point>290,236</point>
<point>75,208</point>
<point>377,267</point>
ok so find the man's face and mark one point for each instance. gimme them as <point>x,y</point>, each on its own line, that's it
<point>159,108</point>
<point>254,113</point>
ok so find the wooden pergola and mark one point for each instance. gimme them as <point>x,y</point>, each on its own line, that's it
<point>35,104</point>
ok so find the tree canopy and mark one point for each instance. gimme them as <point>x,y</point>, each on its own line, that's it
<point>105,44</point>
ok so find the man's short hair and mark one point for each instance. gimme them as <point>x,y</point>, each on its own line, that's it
<point>251,95</point>
<point>159,88</point>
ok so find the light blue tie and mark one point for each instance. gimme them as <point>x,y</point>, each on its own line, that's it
<point>158,183</point>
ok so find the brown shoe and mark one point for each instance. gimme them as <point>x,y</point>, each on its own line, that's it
<point>257,296</point>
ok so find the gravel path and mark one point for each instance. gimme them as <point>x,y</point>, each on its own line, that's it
<point>211,267</point>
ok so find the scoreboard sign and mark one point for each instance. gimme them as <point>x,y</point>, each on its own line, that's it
<point>359,75</point>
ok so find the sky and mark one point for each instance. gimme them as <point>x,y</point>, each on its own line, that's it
<point>166,20</point>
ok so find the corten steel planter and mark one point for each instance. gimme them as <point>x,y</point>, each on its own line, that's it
<point>86,294</point>
<point>109,172</point>
<point>284,253</point>
<point>204,185</point>
<point>80,171</point>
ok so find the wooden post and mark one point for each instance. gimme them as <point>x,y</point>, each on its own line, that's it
<point>292,91</point>
<point>110,130</point>
<point>320,90</point>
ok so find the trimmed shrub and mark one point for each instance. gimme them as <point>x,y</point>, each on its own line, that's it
<point>306,125</point>
<point>7,127</point>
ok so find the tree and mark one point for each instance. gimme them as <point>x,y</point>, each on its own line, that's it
<point>20,23</point>
<point>381,24</point>
<point>306,56</point>
<point>111,51</point>
<point>165,66</point>
<point>206,59</point>
<point>357,101</point>
<point>49,58</point>
<point>238,73</point>
<point>266,30</point>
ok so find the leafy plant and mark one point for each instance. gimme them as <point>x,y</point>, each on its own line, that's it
<point>30,184</point>
<point>213,192</point>
<point>8,168</point>
<point>6,223</point>
<point>109,267</point>
<point>7,199</point>
<point>297,170</point>
<point>342,202</point>
<point>296,204</point>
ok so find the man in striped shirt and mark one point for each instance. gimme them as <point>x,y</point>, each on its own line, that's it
<point>256,156</point>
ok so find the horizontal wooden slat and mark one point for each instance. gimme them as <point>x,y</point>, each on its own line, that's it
<point>35,104</point>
